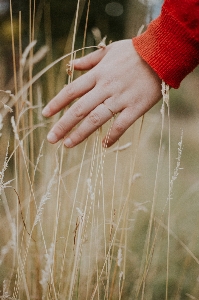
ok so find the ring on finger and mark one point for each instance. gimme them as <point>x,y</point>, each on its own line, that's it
<point>109,109</point>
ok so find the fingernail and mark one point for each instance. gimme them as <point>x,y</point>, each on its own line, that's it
<point>46,111</point>
<point>51,137</point>
<point>104,145</point>
<point>68,143</point>
<point>74,61</point>
<point>78,60</point>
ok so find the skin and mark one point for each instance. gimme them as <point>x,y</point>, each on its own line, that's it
<point>118,81</point>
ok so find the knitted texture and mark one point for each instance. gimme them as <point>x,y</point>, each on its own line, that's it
<point>170,45</point>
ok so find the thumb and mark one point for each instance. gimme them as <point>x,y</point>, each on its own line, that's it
<point>89,61</point>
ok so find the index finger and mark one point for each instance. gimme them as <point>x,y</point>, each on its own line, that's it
<point>70,92</point>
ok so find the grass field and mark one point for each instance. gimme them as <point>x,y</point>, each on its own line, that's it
<point>91,222</point>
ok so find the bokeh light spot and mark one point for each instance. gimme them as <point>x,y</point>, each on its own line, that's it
<point>114,9</point>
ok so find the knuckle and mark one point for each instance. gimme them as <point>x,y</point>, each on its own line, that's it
<point>61,128</point>
<point>107,83</point>
<point>70,91</point>
<point>78,110</point>
<point>119,127</point>
<point>94,119</point>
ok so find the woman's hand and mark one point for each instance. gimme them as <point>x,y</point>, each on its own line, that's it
<point>119,82</point>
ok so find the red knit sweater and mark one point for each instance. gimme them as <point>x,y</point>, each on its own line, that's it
<point>170,45</point>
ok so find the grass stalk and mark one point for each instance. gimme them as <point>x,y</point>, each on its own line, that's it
<point>74,225</point>
<point>143,279</point>
<point>169,205</point>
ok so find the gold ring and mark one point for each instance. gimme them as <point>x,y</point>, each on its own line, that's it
<point>109,109</point>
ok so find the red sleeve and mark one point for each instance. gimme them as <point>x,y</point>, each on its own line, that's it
<point>170,45</point>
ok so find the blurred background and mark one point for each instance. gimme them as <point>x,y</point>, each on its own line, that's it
<point>51,24</point>
<point>55,20</point>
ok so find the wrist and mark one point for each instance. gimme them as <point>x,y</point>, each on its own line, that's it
<point>168,49</point>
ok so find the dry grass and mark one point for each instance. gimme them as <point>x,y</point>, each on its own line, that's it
<point>91,222</point>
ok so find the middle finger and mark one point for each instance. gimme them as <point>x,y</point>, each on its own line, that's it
<point>100,115</point>
<point>79,110</point>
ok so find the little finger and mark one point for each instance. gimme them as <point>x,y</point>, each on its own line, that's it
<point>120,125</point>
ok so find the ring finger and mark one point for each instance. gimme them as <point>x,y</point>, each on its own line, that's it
<point>100,115</point>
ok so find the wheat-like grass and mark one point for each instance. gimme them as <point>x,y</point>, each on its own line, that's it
<point>90,222</point>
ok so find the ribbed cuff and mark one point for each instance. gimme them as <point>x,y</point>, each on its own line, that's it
<point>168,49</point>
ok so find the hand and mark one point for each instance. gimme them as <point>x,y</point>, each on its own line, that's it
<point>119,82</point>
